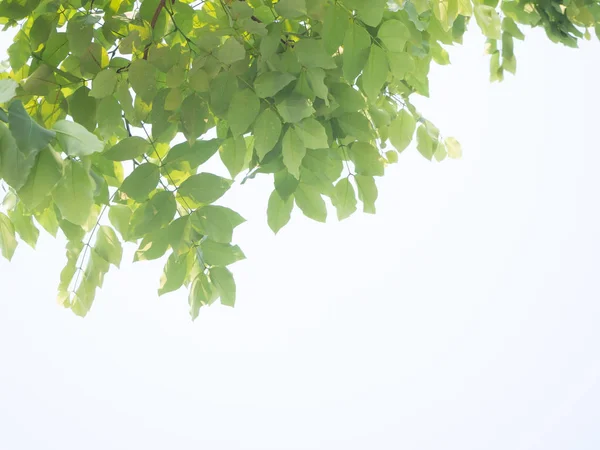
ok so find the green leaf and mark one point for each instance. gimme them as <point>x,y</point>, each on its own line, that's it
<point>425,143</point>
<point>108,246</point>
<point>366,159</point>
<point>291,9</point>
<point>46,172</point>
<point>75,140</point>
<point>222,89</point>
<point>375,73</point>
<point>244,108</point>
<point>316,82</point>
<point>371,12</point>
<point>231,51</point>
<point>194,113</point>
<point>141,181</point>
<point>312,133</point>
<point>194,154</point>
<point>204,187</point>
<point>223,280</point>
<point>357,125</point>
<point>8,242</point>
<point>344,199</point>
<point>8,90</point>
<point>153,214</point>
<point>216,222</point>
<point>142,77</point>
<point>440,152</point>
<point>356,51</point>
<point>180,235</point>
<point>80,31</point>
<point>74,193</point>
<point>488,20</point>
<point>48,220</point>
<point>174,274</point>
<point>267,130</point>
<point>119,216</point>
<point>218,254</point>
<point>453,147</point>
<point>24,226</point>
<point>312,53</point>
<point>104,84</point>
<point>235,155</point>
<point>294,108</point>
<point>154,245</point>
<point>279,211</point>
<point>202,292</point>
<point>310,202</point>
<point>83,108</point>
<point>285,183</point>
<point>29,136</point>
<point>128,148</point>
<point>293,150</point>
<point>394,35</point>
<point>402,130</point>
<point>367,192</point>
<point>349,99</point>
<point>270,83</point>
<point>334,27</point>
<point>16,165</point>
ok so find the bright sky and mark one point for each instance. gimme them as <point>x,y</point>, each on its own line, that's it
<point>464,315</point>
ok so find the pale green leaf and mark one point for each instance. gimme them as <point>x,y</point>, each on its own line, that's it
<point>8,241</point>
<point>223,280</point>
<point>8,90</point>
<point>356,51</point>
<point>216,222</point>
<point>267,130</point>
<point>367,192</point>
<point>270,83</point>
<point>312,53</point>
<point>142,77</point>
<point>294,108</point>
<point>244,108</point>
<point>453,147</point>
<point>375,73</point>
<point>128,148</point>
<point>174,274</point>
<point>75,140</point>
<point>104,84</point>
<point>344,199</point>
<point>291,9</point>
<point>46,172</point>
<point>293,149</point>
<point>366,159</point>
<point>279,211</point>
<point>394,35</point>
<point>310,202</point>
<point>312,133</point>
<point>402,130</point>
<point>235,155</point>
<point>28,134</point>
<point>24,226</point>
<point>204,187</point>
<point>231,51</point>
<point>218,254</point>
<point>16,165</point>
<point>108,245</point>
<point>425,143</point>
<point>488,20</point>
<point>74,193</point>
<point>141,181</point>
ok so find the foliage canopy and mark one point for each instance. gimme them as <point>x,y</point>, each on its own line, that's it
<point>110,108</point>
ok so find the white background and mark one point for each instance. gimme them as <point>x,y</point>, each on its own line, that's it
<point>464,315</point>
